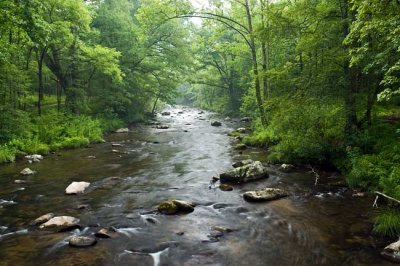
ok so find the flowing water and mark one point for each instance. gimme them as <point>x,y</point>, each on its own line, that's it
<point>313,226</point>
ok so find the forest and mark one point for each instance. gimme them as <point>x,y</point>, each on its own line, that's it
<point>319,78</point>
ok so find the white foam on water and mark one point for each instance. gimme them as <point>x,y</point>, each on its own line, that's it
<point>3,229</point>
<point>19,232</point>
<point>7,202</point>
<point>128,231</point>
<point>157,256</point>
<point>65,241</point>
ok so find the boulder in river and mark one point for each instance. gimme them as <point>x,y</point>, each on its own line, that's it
<point>27,171</point>
<point>245,119</point>
<point>82,241</point>
<point>225,187</point>
<point>184,206</point>
<point>109,232</point>
<point>167,207</point>
<point>216,124</point>
<point>42,219</point>
<point>245,173</point>
<point>175,206</point>
<point>76,188</point>
<point>122,130</point>
<point>61,223</point>
<point>241,130</point>
<point>166,113</point>
<point>266,194</point>
<point>392,252</point>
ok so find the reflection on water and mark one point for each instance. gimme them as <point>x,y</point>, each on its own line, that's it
<point>133,172</point>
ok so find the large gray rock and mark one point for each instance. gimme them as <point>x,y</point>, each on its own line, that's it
<point>245,173</point>
<point>266,194</point>
<point>76,188</point>
<point>42,219</point>
<point>392,252</point>
<point>27,171</point>
<point>107,233</point>
<point>61,223</point>
<point>184,206</point>
<point>82,241</point>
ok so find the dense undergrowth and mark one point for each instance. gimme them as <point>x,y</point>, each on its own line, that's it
<point>312,133</point>
<point>21,133</point>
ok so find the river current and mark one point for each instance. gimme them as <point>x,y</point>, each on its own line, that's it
<point>132,172</point>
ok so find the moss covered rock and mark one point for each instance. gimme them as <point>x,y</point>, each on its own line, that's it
<point>167,207</point>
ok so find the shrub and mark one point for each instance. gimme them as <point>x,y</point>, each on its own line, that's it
<point>7,154</point>
<point>74,142</point>
<point>388,223</point>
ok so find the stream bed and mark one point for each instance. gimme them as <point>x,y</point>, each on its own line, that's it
<point>132,172</point>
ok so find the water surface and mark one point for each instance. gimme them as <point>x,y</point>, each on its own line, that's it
<point>313,226</point>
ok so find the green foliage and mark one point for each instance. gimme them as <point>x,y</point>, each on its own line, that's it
<point>7,153</point>
<point>306,133</point>
<point>388,223</point>
<point>72,142</point>
<point>13,124</point>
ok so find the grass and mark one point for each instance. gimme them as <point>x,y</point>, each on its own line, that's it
<point>388,223</point>
<point>52,131</point>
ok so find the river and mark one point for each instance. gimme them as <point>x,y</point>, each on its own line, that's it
<point>313,226</point>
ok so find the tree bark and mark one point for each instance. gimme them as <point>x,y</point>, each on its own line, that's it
<point>40,79</point>
<point>253,49</point>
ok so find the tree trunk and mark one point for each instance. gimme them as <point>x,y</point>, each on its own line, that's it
<point>257,86</point>
<point>155,104</point>
<point>40,80</point>
<point>350,83</point>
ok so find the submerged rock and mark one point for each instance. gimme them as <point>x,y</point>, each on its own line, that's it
<point>27,171</point>
<point>245,173</point>
<point>76,188</point>
<point>167,207</point>
<point>175,206</point>
<point>109,232</point>
<point>166,113</point>
<point>82,241</point>
<point>245,119</point>
<point>225,187</point>
<point>184,206</point>
<point>392,252</point>
<point>61,222</point>
<point>216,124</point>
<point>122,130</point>
<point>42,219</point>
<point>265,194</point>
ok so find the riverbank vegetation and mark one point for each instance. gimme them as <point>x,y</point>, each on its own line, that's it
<point>320,78</point>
